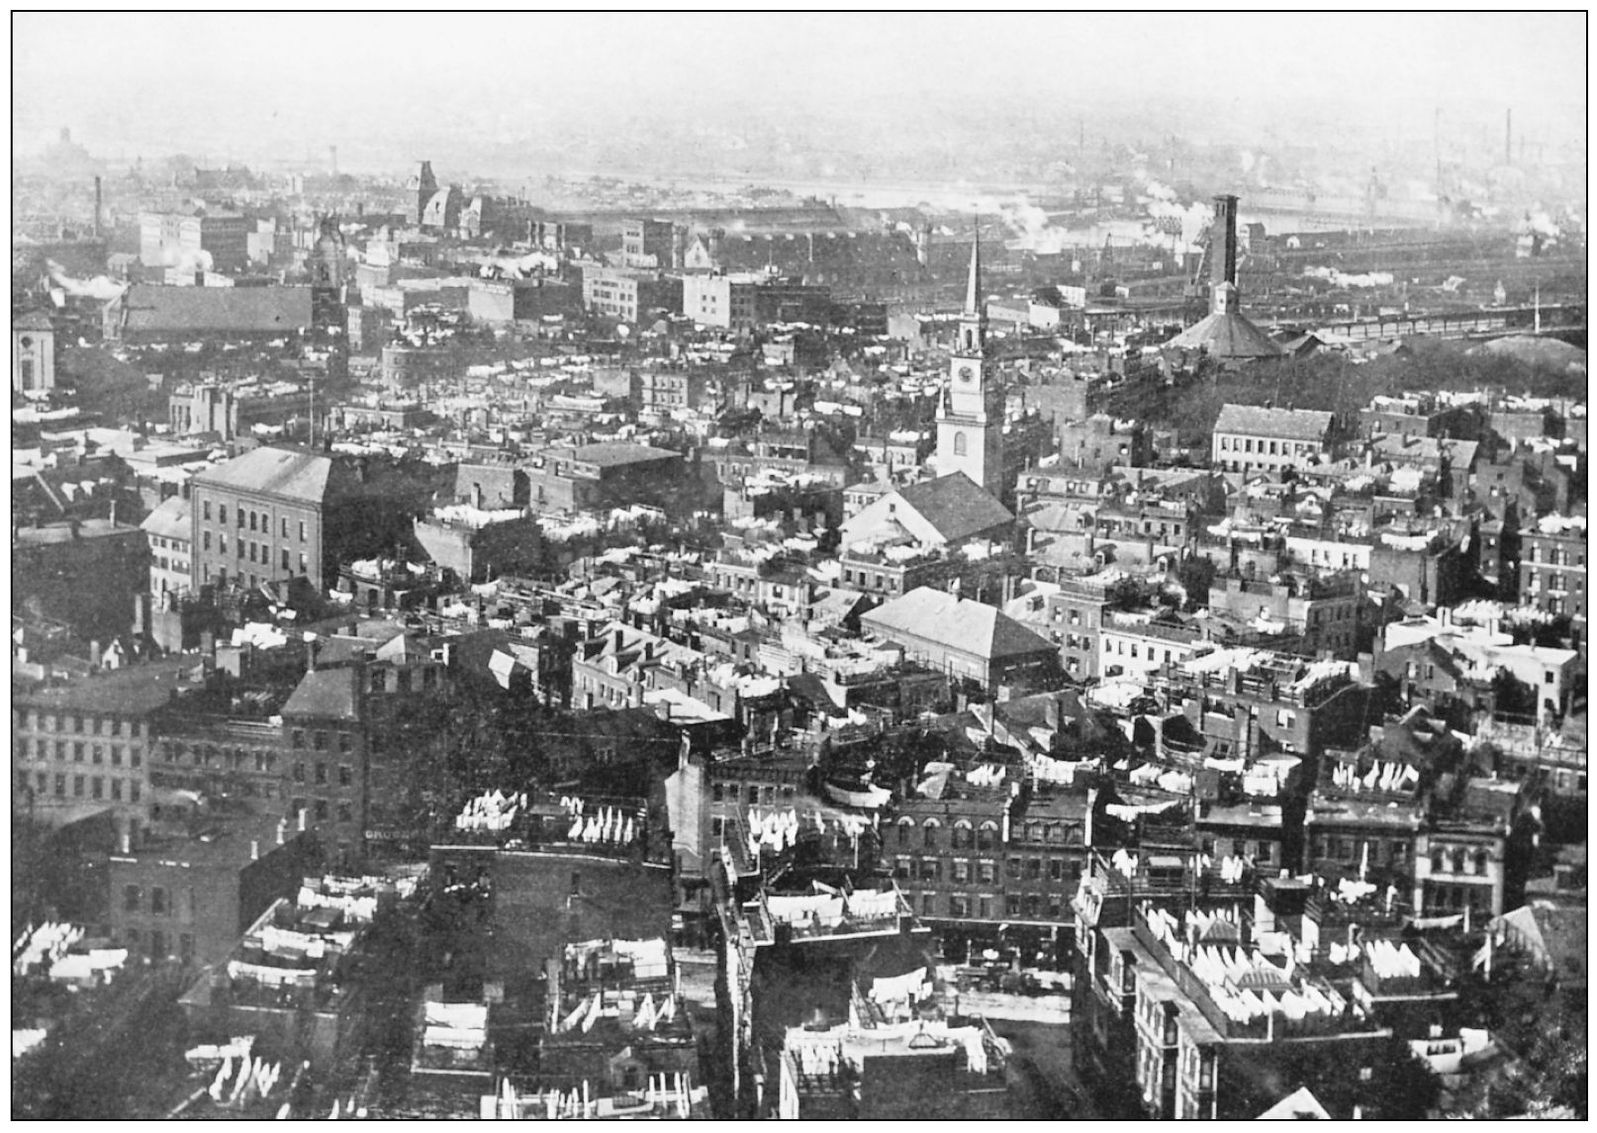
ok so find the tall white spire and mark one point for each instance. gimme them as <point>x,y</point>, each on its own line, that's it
<point>973,286</point>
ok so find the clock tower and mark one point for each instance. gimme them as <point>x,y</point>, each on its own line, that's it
<point>970,415</point>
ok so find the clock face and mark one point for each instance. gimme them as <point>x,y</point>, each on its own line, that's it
<point>966,373</point>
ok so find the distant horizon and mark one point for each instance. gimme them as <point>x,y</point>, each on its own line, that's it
<point>518,97</point>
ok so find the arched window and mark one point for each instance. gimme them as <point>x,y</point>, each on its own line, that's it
<point>905,825</point>
<point>987,836</point>
<point>963,835</point>
<point>959,444</point>
<point>930,829</point>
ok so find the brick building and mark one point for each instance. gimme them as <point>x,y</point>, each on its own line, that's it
<point>85,747</point>
<point>190,889</point>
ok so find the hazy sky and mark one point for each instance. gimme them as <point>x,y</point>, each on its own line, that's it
<point>289,85</point>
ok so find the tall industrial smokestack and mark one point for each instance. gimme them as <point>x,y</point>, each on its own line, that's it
<point>98,206</point>
<point>1224,246</point>
<point>1223,293</point>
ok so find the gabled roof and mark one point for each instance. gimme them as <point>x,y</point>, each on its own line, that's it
<point>1299,1105</point>
<point>1260,421</point>
<point>274,471</point>
<point>200,310</point>
<point>956,506</point>
<point>959,623</point>
<point>326,694</point>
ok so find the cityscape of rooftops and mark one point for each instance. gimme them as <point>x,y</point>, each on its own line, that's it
<point>820,566</point>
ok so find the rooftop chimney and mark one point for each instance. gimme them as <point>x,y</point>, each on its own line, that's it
<point>299,817</point>
<point>255,849</point>
<point>282,829</point>
<point>98,210</point>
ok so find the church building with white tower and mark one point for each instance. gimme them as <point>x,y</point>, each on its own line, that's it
<point>970,414</point>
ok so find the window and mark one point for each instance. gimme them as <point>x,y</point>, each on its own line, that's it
<point>302,536</point>
<point>97,787</point>
<point>77,786</point>
<point>252,520</point>
<point>960,444</point>
<point>205,510</point>
<point>321,773</point>
<point>930,834</point>
<point>987,871</point>
<point>1012,905</point>
<point>158,904</point>
<point>133,791</point>
<point>346,812</point>
<point>1033,869</point>
<point>319,740</point>
<point>905,825</point>
<point>321,810</point>
<point>1014,869</point>
<point>346,775</point>
<point>285,559</point>
<point>130,898</point>
<point>285,528</point>
<point>221,514</point>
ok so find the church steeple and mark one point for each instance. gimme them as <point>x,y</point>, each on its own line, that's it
<point>973,323</point>
<point>973,286</point>
<point>970,419</point>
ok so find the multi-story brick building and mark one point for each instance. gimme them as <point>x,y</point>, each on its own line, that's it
<point>263,516</point>
<point>327,757</point>
<point>167,239</point>
<point>1075,615</point>
<point>1248,438</point>
<point>1552,569</point>
<point>629,294</point>
<point>85,747</point>
<point>649,244</point>
<point>170,529</point>
<point>276,514</point>
<point>191,888</point>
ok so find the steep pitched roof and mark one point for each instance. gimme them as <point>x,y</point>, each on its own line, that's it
<point>170,520</point>
<point>956,505</point>
<point>960,623</point>
<point>275,471</point>
<point>1261,421</point>
<point>326,694</point>
<point>1228,335</point>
